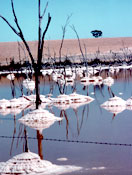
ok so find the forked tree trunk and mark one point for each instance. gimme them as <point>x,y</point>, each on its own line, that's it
<point>41,37</point>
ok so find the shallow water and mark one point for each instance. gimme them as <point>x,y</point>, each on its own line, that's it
<point>88,136</point>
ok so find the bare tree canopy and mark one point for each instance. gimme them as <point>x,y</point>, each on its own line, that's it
<point>41,37</point>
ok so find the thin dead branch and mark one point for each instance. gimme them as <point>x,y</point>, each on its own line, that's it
<point>63,35</point>
<point>79,42</point>
<point>41,37</point>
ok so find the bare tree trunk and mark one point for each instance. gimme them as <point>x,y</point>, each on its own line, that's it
<point>41,37</point>
<point>37,83</point>
<point>63,36</point>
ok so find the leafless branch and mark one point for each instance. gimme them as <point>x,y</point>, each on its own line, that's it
<point>45,10</point>
<point>14,30</point>
<point>21,46</point>
<point>74,29</point>
<point>63,35</point>
<point>20,34</point>
<point>39,30</point>
<point>43,36</point>
<point>16,21</point>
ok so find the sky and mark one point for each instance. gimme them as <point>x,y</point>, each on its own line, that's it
<point>112,17</point>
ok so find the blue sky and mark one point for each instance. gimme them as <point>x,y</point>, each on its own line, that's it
<point>112,17</point>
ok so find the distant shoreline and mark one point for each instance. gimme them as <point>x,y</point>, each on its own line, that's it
<point>90,46</point>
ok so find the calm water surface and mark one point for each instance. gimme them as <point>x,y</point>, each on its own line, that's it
<point>90,123</point>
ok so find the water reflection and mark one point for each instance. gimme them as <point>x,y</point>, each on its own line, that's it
<point>114,105</point>
<point>78,112</point>
<point>80,121</point>
<point>11,77</point>
<point>39,119</point>
<point>40,147</point>
<point>115,110</point>
<point>31,163</point>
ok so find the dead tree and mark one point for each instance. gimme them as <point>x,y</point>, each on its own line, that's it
<point>41,37</point>
<point>80,47</point>
<point>79,43</point>
<point>63,36</point>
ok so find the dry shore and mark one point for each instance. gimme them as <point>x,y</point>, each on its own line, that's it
<point>9,50</point>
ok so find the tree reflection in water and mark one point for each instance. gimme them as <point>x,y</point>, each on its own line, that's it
<point>30,163</point>
<point>79,118</point>
<point>11,77</point>
<point>40,147</point>
<point>78,115</point>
